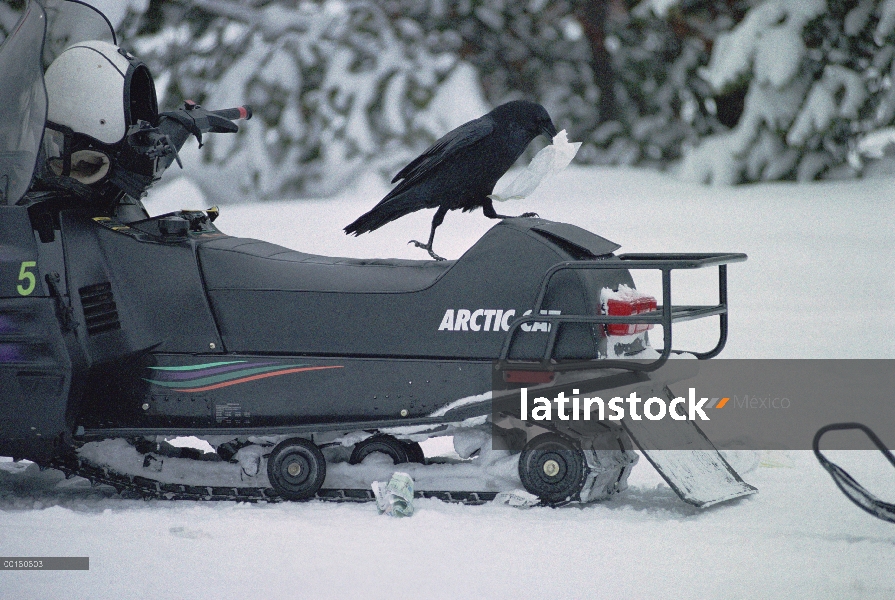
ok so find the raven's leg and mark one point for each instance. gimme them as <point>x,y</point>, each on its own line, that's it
<point>488,211</point>
<point>437,220</point>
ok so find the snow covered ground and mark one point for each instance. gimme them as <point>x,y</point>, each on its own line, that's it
<point>818,284</point>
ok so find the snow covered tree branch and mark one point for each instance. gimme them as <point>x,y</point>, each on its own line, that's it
<point>337,88</point>
<point>818,78</point>
<point>732,90</point>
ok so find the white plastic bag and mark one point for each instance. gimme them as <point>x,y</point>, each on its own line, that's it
<point>552,159</point>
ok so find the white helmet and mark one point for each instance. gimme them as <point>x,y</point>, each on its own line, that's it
<point>96,93</point>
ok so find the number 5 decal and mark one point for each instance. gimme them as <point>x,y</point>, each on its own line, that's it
<point>27,277</point>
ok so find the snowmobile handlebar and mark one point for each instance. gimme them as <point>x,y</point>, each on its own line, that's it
<point>198,120</point>
<point>240,112</point>
<point>176,126</point>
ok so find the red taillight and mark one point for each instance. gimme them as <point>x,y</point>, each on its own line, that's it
<point>627,307</point>
<point>528,376</point>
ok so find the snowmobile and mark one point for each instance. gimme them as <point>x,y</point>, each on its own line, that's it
<point>120,331</point>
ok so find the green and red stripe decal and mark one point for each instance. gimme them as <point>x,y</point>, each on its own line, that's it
<point>216,375</point>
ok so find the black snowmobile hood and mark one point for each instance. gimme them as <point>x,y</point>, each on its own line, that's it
<point>23,97</point>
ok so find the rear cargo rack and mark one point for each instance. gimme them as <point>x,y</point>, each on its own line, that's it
<point>665,315</point>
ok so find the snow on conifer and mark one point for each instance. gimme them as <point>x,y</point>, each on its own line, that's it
<point>819,77</point>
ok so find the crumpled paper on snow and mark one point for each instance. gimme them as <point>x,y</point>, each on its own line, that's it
<point>395,498</point>
<point>517,498</point>
<point>550,160</point>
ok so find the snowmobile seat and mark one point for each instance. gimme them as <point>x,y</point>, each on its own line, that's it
<point>266,298</point>
<point>232,263</point>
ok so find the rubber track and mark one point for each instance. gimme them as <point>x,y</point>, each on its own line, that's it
<point>150,489</point>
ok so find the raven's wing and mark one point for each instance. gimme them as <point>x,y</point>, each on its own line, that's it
<point>451,143</point>
<point>397,203</point>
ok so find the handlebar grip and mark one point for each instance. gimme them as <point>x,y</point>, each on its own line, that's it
<point>240,112</point>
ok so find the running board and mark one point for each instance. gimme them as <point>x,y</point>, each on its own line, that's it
<point>366,495</point>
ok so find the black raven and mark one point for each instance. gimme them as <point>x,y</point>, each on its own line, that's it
<point>461,169</point>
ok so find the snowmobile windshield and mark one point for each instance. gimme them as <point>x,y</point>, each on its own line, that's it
<point>73,21</point>
<point>24,101</point>
<point>32,35</point>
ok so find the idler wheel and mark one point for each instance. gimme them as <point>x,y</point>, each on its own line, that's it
<point>415,452</point>
<point>296,469</point>
<point>553,468</point>
<point>386,444</point>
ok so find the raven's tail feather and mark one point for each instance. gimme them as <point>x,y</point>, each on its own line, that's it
<point>385,212</point>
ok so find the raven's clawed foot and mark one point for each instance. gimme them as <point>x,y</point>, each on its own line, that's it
<point>527,215</point>
<point>427,248</point>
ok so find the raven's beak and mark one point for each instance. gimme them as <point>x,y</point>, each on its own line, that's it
<point>548,129</point>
